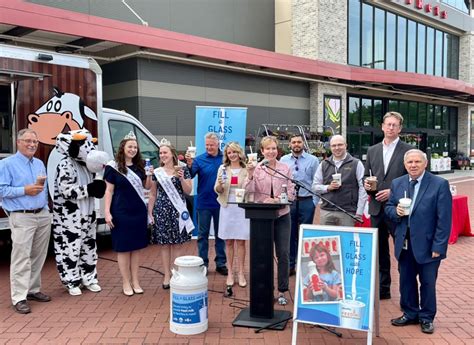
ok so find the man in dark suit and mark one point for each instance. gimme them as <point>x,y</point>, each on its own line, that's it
<point>421,238</point>
<point>385,161</point>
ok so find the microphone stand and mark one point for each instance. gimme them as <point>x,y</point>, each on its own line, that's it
<point>299,185</point>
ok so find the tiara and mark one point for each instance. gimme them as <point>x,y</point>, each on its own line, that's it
<point>130,136</point>
<point>165,141</point>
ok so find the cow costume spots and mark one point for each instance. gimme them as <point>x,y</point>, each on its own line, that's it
<point>74,219</point>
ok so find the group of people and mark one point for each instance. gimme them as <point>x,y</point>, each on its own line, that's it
<point>420,235</point>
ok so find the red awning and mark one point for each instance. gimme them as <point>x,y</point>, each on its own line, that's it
<point>28,24</point>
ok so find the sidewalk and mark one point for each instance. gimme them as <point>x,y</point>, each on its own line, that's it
<point>110,317</point>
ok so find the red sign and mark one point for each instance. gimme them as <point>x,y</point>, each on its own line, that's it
<point>429,8</point>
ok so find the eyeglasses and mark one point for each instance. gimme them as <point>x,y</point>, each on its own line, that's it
<point>391,125</point>
<point>30,141</point>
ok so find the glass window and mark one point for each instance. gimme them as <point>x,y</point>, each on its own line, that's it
<point>118,130</point>
<point>445,118</point>
<point>401,44</point>
<point>354,111</point>
<point>391,41</point>
<point>422,115</point>
<point>377,113</point>
<point>367,34</point>
<point>353,144</point>
<point>148,149</point>
<point>453,118</point>
<point>430,117</point>
<point>411,47</point>
<point>365,143</point>
<point>438,53</point>
<point>379,39</point>
<point>366,112</point>
<point>420,65</point>
<point>445,55</point>
<point>384,40</point>
<point>404,111</point>
<point>412,115</point>
<point>437,117</point>
<point>392,105</point>
<point>354,32</point>
<point>430,34</point>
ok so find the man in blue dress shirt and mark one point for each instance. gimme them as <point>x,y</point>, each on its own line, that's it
<point>303,167</point>
<point>205,166</point>
<point>25,201</point>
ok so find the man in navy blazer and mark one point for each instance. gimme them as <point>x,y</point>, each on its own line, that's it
<point>421,238</point>
<point>385,161</point>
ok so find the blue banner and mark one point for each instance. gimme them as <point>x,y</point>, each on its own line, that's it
<point>229,123</point>
<point>335,281</point>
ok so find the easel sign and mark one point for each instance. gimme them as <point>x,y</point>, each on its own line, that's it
<point>335,278</point>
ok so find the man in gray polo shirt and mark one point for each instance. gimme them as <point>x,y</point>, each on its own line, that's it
<point>346,190</point>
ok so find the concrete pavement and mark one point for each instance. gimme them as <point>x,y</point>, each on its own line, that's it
<point>109,317</point>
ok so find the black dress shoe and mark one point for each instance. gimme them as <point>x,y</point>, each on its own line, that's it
<point>38,297</point>
<point>427,327</point>
<point>385,295</point>
<point>292,271</point>
<point>222,270</point>
<point>22,307</point>
<point>166,286</point>
<point>404,321</point>
<point>228,291</point>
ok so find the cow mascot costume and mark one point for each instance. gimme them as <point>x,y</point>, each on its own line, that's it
<point>74,219</point>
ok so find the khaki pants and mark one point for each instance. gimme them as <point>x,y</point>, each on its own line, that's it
<point>30,238</point>
<point>337,218</point>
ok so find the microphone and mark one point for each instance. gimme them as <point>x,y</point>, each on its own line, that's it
<point>265,162</point>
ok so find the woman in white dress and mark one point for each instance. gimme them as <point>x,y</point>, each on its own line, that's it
<point>234,228</point>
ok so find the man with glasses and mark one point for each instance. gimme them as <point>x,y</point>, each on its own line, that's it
<point>340,179</point>
<point>303,167</point>
<point>25,201</point>
<point>385,161</point>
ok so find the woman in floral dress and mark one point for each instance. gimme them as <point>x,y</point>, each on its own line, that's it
<point>167,208</point>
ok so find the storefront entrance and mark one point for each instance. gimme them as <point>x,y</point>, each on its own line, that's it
<point>425,125</point>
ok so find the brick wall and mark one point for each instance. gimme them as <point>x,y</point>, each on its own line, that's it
<point>466,62</point>
<point>317,92</point>
<point>319,29</point>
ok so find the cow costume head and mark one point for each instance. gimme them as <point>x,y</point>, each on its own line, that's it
<point>76,144</point>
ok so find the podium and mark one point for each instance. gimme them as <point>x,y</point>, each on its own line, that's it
<point>261,314</point>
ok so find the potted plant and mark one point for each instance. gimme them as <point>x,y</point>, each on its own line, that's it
<point>460,160</point>
<point>467,163</point>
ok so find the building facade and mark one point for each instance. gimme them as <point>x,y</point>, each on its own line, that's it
<point>432,38</point>
<point>327,64</point>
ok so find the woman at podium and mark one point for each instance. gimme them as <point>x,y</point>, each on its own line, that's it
<point>270,182</point>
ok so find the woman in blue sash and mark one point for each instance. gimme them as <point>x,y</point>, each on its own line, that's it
<point>172,224</point>
<point>126,210</point>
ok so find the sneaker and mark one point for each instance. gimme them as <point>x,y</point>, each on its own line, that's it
<point>93,287</point>
<point>75,291</point>
<point>282,299</point>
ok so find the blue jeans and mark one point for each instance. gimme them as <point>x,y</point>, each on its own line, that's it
<point>305,216</point>
<point>204,225</point>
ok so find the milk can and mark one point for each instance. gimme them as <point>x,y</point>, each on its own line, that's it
<point>188,296</point>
